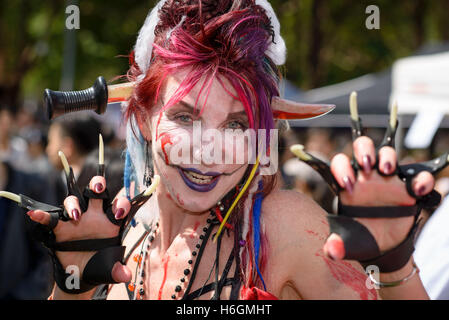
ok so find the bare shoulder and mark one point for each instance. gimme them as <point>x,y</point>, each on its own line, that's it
<point>294,224</point>
<point>294,213</point>
<point>296,228</point>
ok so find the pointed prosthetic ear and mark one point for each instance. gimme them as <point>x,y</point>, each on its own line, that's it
<point>292,110</point>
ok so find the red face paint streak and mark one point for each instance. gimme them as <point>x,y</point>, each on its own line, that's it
<point>345,273</point>
<point>168,196</point>
<point>165,261</point>
<point>192,235</point>
<point>157,125</point>
<point>165,139</point>
<point>179,200</point>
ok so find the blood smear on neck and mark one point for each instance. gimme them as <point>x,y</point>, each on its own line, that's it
<point>165,261</point>
<point>192,235</point>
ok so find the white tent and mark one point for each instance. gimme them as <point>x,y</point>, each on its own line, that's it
<point>420,85</point>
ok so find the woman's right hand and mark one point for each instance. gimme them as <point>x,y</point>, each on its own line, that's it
<point>92,224</point>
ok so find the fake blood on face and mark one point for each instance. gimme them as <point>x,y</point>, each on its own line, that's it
<point>181,202</point>
<point>165,139</point>
<point>157,125</point>
<point>345,273</point>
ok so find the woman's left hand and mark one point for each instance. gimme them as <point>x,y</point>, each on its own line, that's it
<point>382,197</point>
<point>369,188</point>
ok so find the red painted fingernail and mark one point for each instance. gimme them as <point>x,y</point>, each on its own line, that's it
<point>75,214</point>
<point>348,184</point>
<point>119,214</point>
<point>421,191</point>
<point>336,249</point>
<point>98,187</point>
<point>387,167</point>
<point>366,161</point>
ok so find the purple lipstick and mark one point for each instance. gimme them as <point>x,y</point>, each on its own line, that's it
<point>198,181</point>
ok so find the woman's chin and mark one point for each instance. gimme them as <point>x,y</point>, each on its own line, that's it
<point>196,207</point>
<point>196,202</point>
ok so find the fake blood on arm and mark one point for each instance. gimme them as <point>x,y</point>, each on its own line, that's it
<point>345,273</point>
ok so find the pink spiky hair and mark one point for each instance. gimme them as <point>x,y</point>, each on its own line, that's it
<point>143,49</point>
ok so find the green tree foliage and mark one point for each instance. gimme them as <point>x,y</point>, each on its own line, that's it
<point>327,40</point>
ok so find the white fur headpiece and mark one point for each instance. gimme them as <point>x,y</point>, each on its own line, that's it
<point>143,49</point>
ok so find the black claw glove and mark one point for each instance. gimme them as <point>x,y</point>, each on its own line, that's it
<point>359,244</point>
<point>109,251</point>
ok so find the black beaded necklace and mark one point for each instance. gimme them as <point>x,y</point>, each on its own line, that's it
<point>141,258</point>
<point>215,218</point>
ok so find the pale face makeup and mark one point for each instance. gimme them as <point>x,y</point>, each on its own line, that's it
<point>211,163</point>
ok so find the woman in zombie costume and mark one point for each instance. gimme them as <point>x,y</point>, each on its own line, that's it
<point>215,230</point>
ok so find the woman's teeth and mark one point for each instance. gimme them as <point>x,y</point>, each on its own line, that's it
<point>198,178</point>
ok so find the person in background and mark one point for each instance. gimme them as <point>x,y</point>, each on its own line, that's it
<point>11,147</point>
<point>304,178</point>
<point>76,136</point>
<point>37,158</point>
<point>25,266</point>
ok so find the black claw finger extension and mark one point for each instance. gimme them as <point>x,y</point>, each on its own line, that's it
<point>390,134</point>
<point>100,170</point>
<point>357,128</point>
<point>392,127</point>
<point>31,204</point>
<point>409,171</point>
<point>56,213</point>
<point>433,166</point>
<point>136,203</point>
<point>388,141</point>
<point>73,190</point>
<point>324,170</point>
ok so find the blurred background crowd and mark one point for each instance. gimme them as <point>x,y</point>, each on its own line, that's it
<point>330,53</point>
